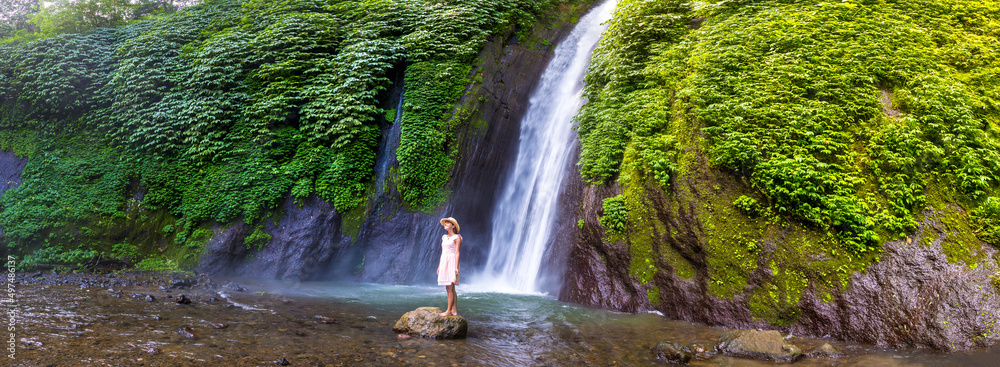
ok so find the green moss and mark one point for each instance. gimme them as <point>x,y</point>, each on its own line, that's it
<point>733,241</point>
<point>653,295</point>
<point>682,267</point>
<point>960,243</point>
<point>350,222</point>
<point>995,281</point>
<point>929,235</point>
<point>776,300</point>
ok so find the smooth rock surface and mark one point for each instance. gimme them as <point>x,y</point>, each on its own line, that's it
<point>672,352</point>
<point>765,345</point>
<point>425,322</point>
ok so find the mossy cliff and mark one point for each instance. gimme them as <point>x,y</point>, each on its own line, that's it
<point>822,168</point>
<point>242,136</point>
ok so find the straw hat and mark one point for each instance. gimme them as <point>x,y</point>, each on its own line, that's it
<point>452,220</point>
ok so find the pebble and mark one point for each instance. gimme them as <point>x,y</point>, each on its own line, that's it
<point>187,332</point>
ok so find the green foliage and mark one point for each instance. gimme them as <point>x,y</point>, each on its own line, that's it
<point>158,264</point>
<point>747,205</point>
<point>441,47</point>
<point>56,255</point>
<point>221,110</point>
<point>125,252</point>
<point>257,239</point>
<point>14,16</point>
<point>838,123</point>
<point>76,16</point>
<point>615,215</point>
<point>64,185</point>
<point>986,220</point>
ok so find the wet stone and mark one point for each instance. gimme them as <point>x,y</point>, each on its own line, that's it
<point>701,352</point>
<point>187,332</point>
<point>282,362</point>
<point>183,299</point>
<point>672,352</point>
<point>425,322</point>
<point>150,298</point>
<point>756,344</point>
<point>233,286</point>
<point>826,351</point>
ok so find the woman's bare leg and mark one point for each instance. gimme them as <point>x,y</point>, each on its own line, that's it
<point>447,289</point>
<point>453,301</point>
<point>451,291</point>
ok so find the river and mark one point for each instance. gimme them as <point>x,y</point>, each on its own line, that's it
<point>350,324</point>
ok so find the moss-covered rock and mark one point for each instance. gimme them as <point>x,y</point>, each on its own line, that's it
<point>426,322</point>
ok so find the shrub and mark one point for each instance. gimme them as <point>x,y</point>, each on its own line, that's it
<point>615,215</point>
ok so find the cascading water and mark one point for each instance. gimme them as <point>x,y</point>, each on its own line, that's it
<point>387,147</point>
<point>524,216</point>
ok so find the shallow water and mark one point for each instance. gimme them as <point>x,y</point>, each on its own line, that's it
<point>67,325</point>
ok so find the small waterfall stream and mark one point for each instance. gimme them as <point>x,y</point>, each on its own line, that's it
<point>387,147</point>
<point>524,216</point>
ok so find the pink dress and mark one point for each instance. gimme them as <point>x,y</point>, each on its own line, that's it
<point>449,261</point>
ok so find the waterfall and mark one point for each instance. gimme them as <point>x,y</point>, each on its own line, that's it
<point>526,211</point>
<point>387,147</point>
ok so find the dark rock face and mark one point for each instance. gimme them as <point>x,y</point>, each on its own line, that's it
<point>426,323</point>
<point>11,167</point>
<point>672,352</point>
<point>305,237</point>
<point>393,244</point>
<point>599,275</point>
<point>913,297</point>
<point>754,344</point>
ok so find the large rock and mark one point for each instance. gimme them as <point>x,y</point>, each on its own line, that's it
<point>672,352</point>
<point>755,344</point>
<point>425,322</point>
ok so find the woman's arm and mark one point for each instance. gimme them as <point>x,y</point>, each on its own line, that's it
<point>458,247</point>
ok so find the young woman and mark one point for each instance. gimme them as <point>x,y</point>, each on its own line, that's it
<point>448,268</point>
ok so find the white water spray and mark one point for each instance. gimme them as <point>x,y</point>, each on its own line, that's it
<point>526,211</point>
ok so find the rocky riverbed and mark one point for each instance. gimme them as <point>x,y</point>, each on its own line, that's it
<point>134,318</point>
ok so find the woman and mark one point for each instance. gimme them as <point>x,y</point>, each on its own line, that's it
<point>448,267</point>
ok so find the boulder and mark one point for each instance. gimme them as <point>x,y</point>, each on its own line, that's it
<point>672,352</point>
<point>425,322</point>
<point>826,351</point>
<point>756,344</point>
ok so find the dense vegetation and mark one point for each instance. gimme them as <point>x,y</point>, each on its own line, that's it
<point>847,120</point>
<point>788,96</point>
<point>219,111</point>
